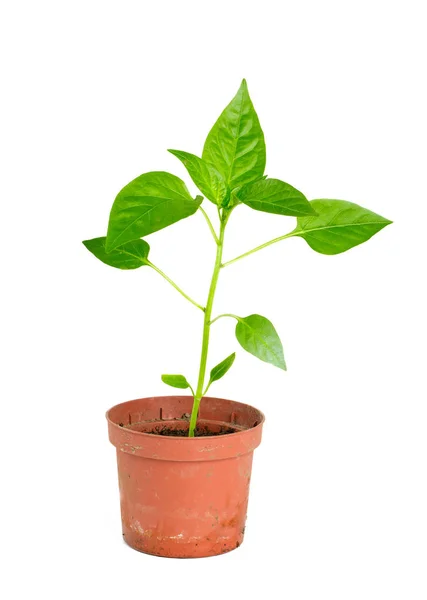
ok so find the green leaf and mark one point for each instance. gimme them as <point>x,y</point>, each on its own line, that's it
<point>148,203</point>
<point>257,335</point>
<point>221,369</point>
<point>129,256</point>
<point>209,181</point>
<point>176,381</point>
<point>275,196</point>
<point>235,145</point>
<point>338,226</point>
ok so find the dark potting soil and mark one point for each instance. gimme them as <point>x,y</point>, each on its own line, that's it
<point>199,432</point>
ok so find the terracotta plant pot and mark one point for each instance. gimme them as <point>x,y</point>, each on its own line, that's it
<point>184,497</point>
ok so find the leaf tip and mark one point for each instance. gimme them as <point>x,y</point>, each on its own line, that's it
<point>244,88</point>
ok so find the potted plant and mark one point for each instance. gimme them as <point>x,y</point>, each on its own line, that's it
<point>185,462</point>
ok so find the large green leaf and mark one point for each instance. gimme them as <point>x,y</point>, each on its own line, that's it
<point>176,381</point>
<point>221,369</point>
<point>235,145</point>
<point>257,335</point>
<point>129,256</point>
<point>209,181</point>
<point>275,196</point>
<point>338,226</point>
<point>148,203</point>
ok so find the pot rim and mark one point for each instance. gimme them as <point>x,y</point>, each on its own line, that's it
<point>142,434</point>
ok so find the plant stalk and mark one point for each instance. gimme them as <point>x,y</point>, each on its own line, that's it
<point>209,222</point>
<point>173,284</point>
<point>206,326</point>
<point>278,239</point>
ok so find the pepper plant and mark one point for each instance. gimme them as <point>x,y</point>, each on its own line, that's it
<point>229,173</point>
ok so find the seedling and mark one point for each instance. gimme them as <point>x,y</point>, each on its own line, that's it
<point>229,173</point>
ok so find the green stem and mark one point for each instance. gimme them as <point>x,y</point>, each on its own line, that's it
<point>209,222</point>
<point>225,315</point>
<point>206,326</point>
<point>173,284</point>
<point>278,239</point>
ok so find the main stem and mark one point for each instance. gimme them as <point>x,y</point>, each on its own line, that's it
<point>206,327</point>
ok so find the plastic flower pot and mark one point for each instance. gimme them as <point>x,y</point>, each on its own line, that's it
<point>184,497</point>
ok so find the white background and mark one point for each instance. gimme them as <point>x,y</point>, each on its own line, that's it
<point>94,93</point>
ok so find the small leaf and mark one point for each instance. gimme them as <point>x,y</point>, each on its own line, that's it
<point>209,181</point>
<point>221,369</point>
<point>147,204</point>
<point>257,335</point>
<point>235,145</point>
<point>129,256</point>
<point>176,381</point>
<point>338,226</point>
<point>275,196</point>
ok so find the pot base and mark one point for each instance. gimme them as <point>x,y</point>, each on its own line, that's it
<point>194,550</point>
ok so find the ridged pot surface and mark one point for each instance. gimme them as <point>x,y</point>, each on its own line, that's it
<point>184,497</point>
